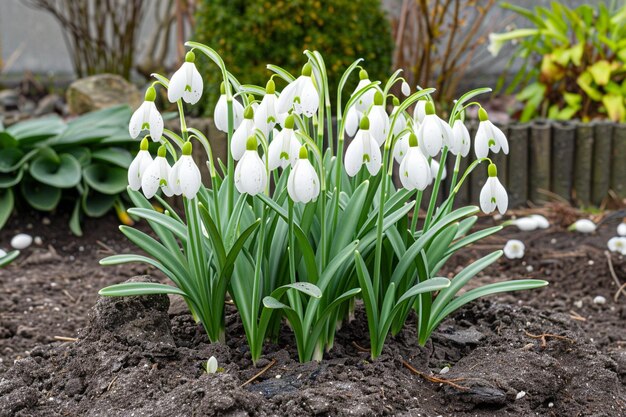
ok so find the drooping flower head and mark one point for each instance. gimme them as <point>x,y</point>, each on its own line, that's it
<point>241,135</point>
<point>405,88</point>
<point>379,120</point>
<point>303,184</point>
<point>617,244</point>
<point>493,195</point>
<point>220,116</point>
<point>583,226</point>
<point>402,120</point>
<point>265,116</point>
<point>621,229</point>
<point>300,94</point>
<point>185,175</point>
<point>460,141</point>
<point>434,133</point>
<point>250,173</point>
<point>514,249</point>
<point>414,171</point>
<point>284,148</point>
<point>139,165</point>
<point>157,175</point>
<point>186,83</point>
<point>366,99</point>
<point>147,117</point>
<point>363,150</point>
<point>488,137</point>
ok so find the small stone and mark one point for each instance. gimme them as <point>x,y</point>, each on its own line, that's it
<point>38,241</point>
<point>48,104</point>
<point>578,304</point>
<point>444,370</point>
<point>520,395</point>
<point>45,221</point>
<point>591,262</point>
<point>553,241</point>
<point>101,91</point>
<point>81,248</point>
<point>278,376</point>
<point>599,300</point>
<point>550,405</point>
<point>9,99</point>
<point>21,241</point>
<point>530,268</point>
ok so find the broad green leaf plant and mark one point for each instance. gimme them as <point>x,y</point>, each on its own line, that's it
<point>85,159</point>
<point>572,61</point>
<point>294,228</point>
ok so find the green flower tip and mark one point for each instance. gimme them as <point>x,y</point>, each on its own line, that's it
<point>187,148</point>
<point>190,57</point>
<point>492,170</point>
<point>396,102</point>
<point>365,123</point>
<point>363,75</point>
<point>412,140</point>
<point>307,69</point>
<point>378,98</point>
<point>248,113</point>
<point>430,108</point>
<point>482,115</point>
<point>162,151</point>
<point>222,88</point>
<point>289,122</point>
<point>144,144</point>
<point>303,153</point>
<point>150,94</point>
<point>251,144</point>
<point>270,87</point>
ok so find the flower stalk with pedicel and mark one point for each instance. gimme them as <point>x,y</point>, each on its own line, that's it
<point>302,242</point>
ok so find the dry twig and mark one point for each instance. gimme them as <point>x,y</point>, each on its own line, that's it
<point>264,370</point>
<point>65,339</point>
<point>451,382</point>
<point>574,315</point>
<point>621,289</point>
<point>360,348</point>
<point>543,337</point>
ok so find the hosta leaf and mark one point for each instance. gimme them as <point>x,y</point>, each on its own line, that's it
<point>35,130</point>
<point>9,180</point>
<point>7,141</point>
<point>105,178</point>
<point>10,159</point>
<point>40,196</point>
<point>96,204</point>
<point>6,205</point>
<point>64,173</point>
<point>75,220</point>
<point>116,156</point>
<point>139,288</point>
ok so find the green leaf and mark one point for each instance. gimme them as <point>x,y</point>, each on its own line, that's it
<point>601,72</point>
<point>7,141</point>
<point>305,288</point>
<point>40,196</point>
<point>106,179</point>
<point>6,205</point>
<point>116,156</point>
<point>614,105</point>
<point>274,304</point>
<point>430,285</point>
<point>36,130</point>
<point>584,81</point>
<point>75,220</point>
<point>96,204</point>
<point>9,180</point>
<point>139,288</point>
<point>11,159</point>
<point>61,173</point>
<point>8,258</point>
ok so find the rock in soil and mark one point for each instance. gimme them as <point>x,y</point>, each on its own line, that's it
<point>99,92</point>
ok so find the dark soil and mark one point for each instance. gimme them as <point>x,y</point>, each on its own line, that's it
<point>143,356</point>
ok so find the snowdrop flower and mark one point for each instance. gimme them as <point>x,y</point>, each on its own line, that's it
<point>367,99</point>
<point>379,120</point>
<point>139,166</point>
<point>434,133</point>
<point>542,222</point>
<point>186,83</point>
<point>514,249</point>
<point>621,229</point>
<point>353,118</point>
<point>241,135</point>
<point>434,169</point>
<point>420,111</point>
<point>265,116</point>
<point>283,150</point>
<point>185,176</point>
<point>415,172</point>
<point>402,120</point>
<point>147,117</point>
<point>250,173</point>
<point>526,224</point>
<point>220,116</point>
<point>401,147</point>
<point>460,143</point>
<point>157,175</point>
<point>363,150</point>
<point>406,88</point>
<point>583,226</point>
<point>488,137</point>
<point>618,244</point>
<point>211,365</point>
<point>300,94</point>
<point>493,195</point>
<point>303,184</point>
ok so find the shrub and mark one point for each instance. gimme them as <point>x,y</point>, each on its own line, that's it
<point>573,61</point>
<point>248,34</point>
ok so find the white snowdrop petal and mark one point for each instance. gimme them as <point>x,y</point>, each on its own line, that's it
<point>211,365</point>
<point>419,113</point>
<point>514,249</point>
<point>194,83</point>
<point>584,226</point>
<point>240,137</point>
<point>237,115</point>
<point>150,179</point>
<point>137,120</point>
<point>220,116</point>
<point>353,118</point>
<point>285,100</point>
<point>189,177</point>
<point>542,222</point>
<point>526,224</point>
<point>250,175</point>
<point>305,183</point>
<point>621,229</point>
<point>375,158</point>
<point>177,85</point>
<point>274,151</point>
<point>401,148</point>
<point>431,135</point>
<point>156,122</point>
<point>309,98</point>
<point>406,89</point>
<point>354,155</point>
<point>500,139</point>
<point>174,182</point>
<point>481,142</point>
<point>379,124</point>
<point>487,197</point>
<point>137,167</point>
<point>502,198</point>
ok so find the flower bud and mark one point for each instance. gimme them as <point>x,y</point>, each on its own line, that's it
<point>365,123</point>
<point>430,108</point>
<point>190,57</point>
<point>144,144</point>
<point>150,94</point>
<point>303,153</point>
<point>482,115</point>
<point>289,122</point>
<point>251,144</point>
<point>363,75</point>
<point>378,98</point>
<point>492,170</point>
<point>307,69</point>
<point>270,87</point>
<point>162,152</point>
<point>187,148</point>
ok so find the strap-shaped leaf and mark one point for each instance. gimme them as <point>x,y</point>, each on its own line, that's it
<point>346,231</point>
<point>465,225</point>
<point>440,243</point>
<point>8,258</point>
<point>139,288</point>
<point>75,219</point>
<point>177,228</point>
<point>7,201</point>
<point>474,237</point>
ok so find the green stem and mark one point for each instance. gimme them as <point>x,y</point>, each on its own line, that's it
<point>416,211</point>
<point>435,192</point>
<point>231,163</point>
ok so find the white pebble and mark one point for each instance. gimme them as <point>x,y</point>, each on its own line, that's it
<point>278,376</point>
<point>45,221</point>
<point>599,300</point>
<point>81,248</point>
<point>21,241</point>
<point>520,395</point>
<point>444,370</point>
<point>550,405</point>
<point>578,304</point>
<point>591,262</point>
<point>530,268</point>
<point>553,241</point>
<point>38,241</point>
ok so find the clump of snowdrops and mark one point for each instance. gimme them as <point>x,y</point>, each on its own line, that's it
<point>294,228</point>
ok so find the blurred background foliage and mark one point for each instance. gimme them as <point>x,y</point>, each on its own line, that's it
<point>252,33</point>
